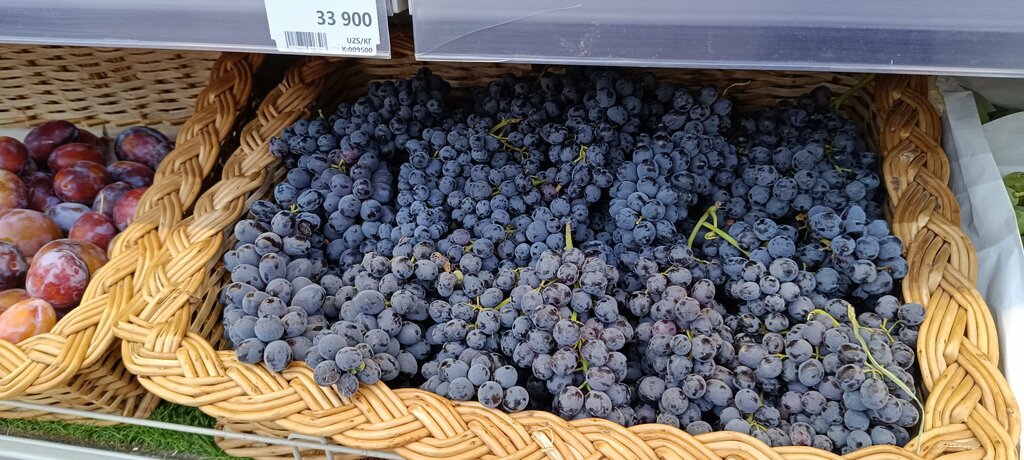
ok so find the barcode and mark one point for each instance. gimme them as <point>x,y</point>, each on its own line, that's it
<point>311,40</point>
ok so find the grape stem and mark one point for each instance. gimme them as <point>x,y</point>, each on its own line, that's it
<point>503,123</point>
<point>725,236</point>
<point>818,311</point>
<point>504,140</point>
<point>754,424</point>
<point>727,88</point>
<point>508,300</point>
<point>888,333</point>
<point>841,99</point>
<point>714,230</point>
<point>582,155</point>
<point>568,236</point>
<point>585,365</point>
<point>873,364</point>
<point>703,219</point>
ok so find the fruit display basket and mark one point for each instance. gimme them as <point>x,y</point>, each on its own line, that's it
<point>198,95</point>
<point>171,341</point>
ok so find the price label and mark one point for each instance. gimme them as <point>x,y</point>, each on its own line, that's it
<point>342,27</point>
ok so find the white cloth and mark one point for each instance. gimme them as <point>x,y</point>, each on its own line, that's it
<point>979,157</point>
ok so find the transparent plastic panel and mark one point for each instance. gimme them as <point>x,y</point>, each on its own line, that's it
<point>223,25</point>
<point>981,37</point>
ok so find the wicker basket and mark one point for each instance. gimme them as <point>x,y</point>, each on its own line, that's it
<point>198,95</point>
<point>970,411</point>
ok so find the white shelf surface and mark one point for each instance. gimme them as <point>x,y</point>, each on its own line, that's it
<point>982,37</point>
<point>14,448</point>
<point>221,25</point>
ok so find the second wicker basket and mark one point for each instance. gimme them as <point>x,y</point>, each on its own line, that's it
<point>970,411</point>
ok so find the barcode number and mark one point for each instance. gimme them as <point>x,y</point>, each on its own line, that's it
<point>312,40</point>
<point>345,18</point>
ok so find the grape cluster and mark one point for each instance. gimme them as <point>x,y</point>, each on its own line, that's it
<point>591,243</point>
<point>799,154</point>
<point>335,205</point>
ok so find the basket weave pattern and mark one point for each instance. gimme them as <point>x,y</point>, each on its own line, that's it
<point>112,87</point>
<point>970,411</point>
<point>72,365</point>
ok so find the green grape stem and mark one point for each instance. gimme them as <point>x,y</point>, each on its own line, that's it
<point>818,311</point>
<point>508,300</point>
<point>504,140</point>
<point>873,364</point>
<point>753,423</point>
<point>503,123</point>
<point>703,219</point>
<point>585,366</point>
<point>582,155</point>
<point>838,102</point>
<point>714,230</point>
<point>727,238</point>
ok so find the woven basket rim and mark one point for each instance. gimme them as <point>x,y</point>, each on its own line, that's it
<point>970,407</point>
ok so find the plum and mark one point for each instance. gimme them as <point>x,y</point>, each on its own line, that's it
<point>65,214</point>
<point>27,229</point>
<point>80,182</point>
<point>26,319</point>
<point>95,228</point>
<point>135,174</point>
<point>12,266</point>
<point>93,256</point>
<point>34,178</point>
<point>67,154</point>
<point>12,296</point>
<point>124,210</point>
<point>142,145</point>
<point>108,197</point>
<point>40,190</point>
<point>58,277</point>
<point>30,167</point>
<point>13,155</point>
<point>85,137</point>
<point>13,193</point>
<point>44,138</point>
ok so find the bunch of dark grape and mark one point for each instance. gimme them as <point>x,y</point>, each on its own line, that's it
<point>571,335</point>
<point>591,243</point>
<point>335,205</point>
<point>833,382</point>
<point>671,170</point>
<point>852,253</point>
<point>375,313</point>
<point>683,335</point>
<point>799,154</point>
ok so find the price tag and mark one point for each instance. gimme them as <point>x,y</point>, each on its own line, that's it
<point>342,27</point>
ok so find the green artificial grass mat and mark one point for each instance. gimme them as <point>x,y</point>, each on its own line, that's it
<point>130,438</point>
